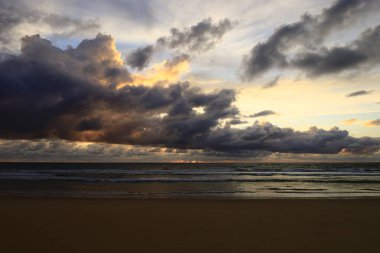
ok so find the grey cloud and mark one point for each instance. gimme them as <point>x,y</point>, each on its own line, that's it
<point>236,122</point>
<point>270,138</point>
<point>375,122</point>
<point>198,38</point>
<point>177,59</point>
<point>330,61</point>
<point>140,57</point>
<point>263,113</point>
<point>92,58</point>
<point>61,150</point>
<point>67,26</point>
<point>272,83</point>
<point>49,93</point>
<point>138,12</point>
<point>363,52</point>
<point>362,146</point>
<point>359,93</point>
<point>343,12</point>
<point>9,18</point>
<point>14,13</point>
<point>267,55</point>
<point>89,124</point>
<point>308,35</point>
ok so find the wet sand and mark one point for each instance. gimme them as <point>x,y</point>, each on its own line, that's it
<point>112,225</point>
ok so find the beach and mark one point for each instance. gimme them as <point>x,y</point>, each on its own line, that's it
<point>37,224</point>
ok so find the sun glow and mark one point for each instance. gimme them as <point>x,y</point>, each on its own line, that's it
<point>162,73</point>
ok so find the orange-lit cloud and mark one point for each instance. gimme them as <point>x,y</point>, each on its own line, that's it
<point>368,123</point>
<point>372,123</point>
<point>164,72</point>
<point>350,121</point>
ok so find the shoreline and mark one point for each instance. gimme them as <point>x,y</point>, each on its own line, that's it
<point>52,224</point>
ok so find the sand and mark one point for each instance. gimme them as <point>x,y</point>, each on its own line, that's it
<point>101,225</point>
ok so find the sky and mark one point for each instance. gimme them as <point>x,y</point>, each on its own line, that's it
<point>189,81</point>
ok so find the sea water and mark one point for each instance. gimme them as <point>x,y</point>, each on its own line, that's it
<point>178,180</point>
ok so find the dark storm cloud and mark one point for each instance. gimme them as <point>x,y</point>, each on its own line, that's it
<point>14,13</point>
<point>308,34</point>
<point>343,12</point>
<point>49,93</point>
<point>60,150</point>
<point>89,124</point>
<point>267,137</point>
<point>95,59</point>
<point>263,113</point>
<point>364,51</point>
<point>198,38</point>
<point>330,61</point>
<point>236,122</point>
<point>140,57</point>
<point>359,93</point>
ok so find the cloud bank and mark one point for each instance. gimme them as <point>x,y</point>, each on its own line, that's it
<point>75,95</point>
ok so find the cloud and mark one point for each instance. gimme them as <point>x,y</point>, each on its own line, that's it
<point>236,122</point>
<point>47,92</point>
<point>307,37</point>
<point>330,61</point>
<point>94,59</point>
<point>362,52</point>
<point>359,93</point>
<point>263,113</point>
<point>350,121</point>
<point>74,95</point>
<point>372,123</point>
<point>140,57</point>
<point>198,38</point>
<point>168,71</point>
<point>270,138</point>
<point>61,150</point>
<point>272,83</point>
<point>16,13</point>
<point>368,123</point>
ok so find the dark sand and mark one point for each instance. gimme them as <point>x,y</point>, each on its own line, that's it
<point>89,225</point>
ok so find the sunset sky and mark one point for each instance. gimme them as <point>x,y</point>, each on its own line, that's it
<point>176,80</point>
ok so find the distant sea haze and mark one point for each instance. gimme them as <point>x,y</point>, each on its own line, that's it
<point>158,180</point>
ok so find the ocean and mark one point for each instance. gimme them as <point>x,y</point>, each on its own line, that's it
<point>178,180</point>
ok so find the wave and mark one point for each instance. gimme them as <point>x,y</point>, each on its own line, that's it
<point>191,180</point>
<point>26,174</point>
